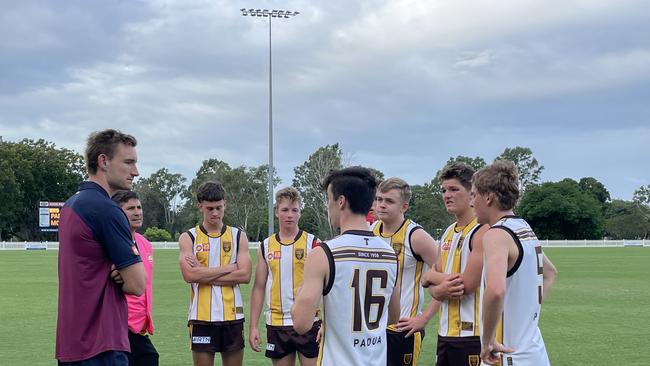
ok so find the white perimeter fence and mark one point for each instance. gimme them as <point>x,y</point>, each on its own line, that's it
<point>255,245</point>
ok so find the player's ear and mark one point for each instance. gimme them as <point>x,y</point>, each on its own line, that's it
<point>341,201</point>
<point>489,198</point>
<point>102,162</point>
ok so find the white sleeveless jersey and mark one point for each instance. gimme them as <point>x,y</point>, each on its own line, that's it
<point>458,318</point>
<point>363,270</point>
<point>212,303</point>
<point>285,263</point>
<point>518,327</point>
<point>411,267</point>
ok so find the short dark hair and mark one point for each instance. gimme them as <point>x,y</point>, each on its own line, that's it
<point>357,184</point>
<point>105,142</point>
<point>502,178</point>
<point>460,171</point>
<point>123,196</point>
<point>210,191</point>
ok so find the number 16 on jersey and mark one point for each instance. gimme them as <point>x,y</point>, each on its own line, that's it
<point>369,308</point>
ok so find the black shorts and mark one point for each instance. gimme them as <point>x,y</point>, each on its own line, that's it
<point>108,358</point>
<point>281,341</point>
<point>459,351</point>
<point>402,350</point>
<point>143,353</point>
<point>217,337</point>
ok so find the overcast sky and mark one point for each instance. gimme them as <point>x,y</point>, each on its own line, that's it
<point>401,85</point>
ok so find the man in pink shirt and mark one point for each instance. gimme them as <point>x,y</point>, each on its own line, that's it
<point>143,353</point>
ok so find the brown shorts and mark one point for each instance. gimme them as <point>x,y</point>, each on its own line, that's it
<point>281,341</point>
<point>401,350</point>
<point>459,351</point>
<point>217,337</point>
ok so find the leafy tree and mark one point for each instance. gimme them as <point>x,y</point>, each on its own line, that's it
<point>378,174</point>
<point>33,171</point>
<point>156,234</point>
<point>627,220</point>
<point>595,188</point>
<point>428,210</point>
<point>246,196</point>
<point>528,167</point>
<point>160,195</point>
<point>642,195</point>
<point>308,178</point>
<point>562,211</point>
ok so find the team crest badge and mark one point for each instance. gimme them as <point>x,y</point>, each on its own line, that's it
<point>408,358</point>
<point>474,360</point>
<point>300,254</point>
<point>446,245</point>
<point>397,247</point>
<point>227,246</point>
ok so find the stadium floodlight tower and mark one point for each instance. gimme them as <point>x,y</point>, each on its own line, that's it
<point>279,14</point>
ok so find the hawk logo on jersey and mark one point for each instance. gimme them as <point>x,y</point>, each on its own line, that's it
<point>509,359</point>
<point>446,245</point>
<point>408,358</point>
<point>300,254</point>
<point>467,326</point>
<point>227,246</point>
<point>397,247</point>
<point>474,360</point>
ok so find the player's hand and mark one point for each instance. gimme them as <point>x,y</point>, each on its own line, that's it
<point>319,335</point>
<point>491,352</point>
<point>411,325</point>
<point>451,287</point>
<point>192,261</point>
<point>255,340</point>
<point>116,276</point>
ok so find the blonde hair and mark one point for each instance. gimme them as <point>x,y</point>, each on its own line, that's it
<point>399,184</point>
<point>500,178</point>
<point>288,193</point>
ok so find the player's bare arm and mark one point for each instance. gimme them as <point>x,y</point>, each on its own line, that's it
<point>442,285</point>
<point>309,297</point>
<point>134,279</point>
<point>496,244</point>
<point>394,305</point>
<point>190,269</point>
<point>550,273</point>
<point>257,298</point>
<point>425,246</point>
<point>243,272</point>
<point>472,275</point>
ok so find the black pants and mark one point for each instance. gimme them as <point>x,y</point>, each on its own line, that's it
<point>143,353</point>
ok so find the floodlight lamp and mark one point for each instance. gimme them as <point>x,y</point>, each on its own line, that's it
<point>274,13</point>
<point>265,13</point>
<point>243,12</point>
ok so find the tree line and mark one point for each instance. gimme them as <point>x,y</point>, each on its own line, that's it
<point>33,171</point>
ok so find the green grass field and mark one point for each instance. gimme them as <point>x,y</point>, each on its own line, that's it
<point>597,314</point>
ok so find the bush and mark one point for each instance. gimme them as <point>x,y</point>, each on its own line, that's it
<point>155,234</point>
